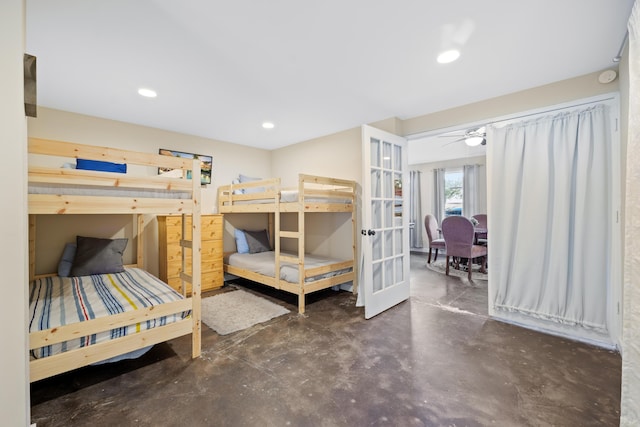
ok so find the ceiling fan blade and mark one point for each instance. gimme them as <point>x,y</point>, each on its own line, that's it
<point>450,136</point>
<point>454,141</point>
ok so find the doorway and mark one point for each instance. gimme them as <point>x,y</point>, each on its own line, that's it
<point>612,297</point>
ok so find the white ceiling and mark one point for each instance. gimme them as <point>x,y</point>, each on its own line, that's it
<point>221,68</point>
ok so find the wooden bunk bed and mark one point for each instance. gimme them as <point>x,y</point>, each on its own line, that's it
<point>73,191</point>
<point>313,194</point>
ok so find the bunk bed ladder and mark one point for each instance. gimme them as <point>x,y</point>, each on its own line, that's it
<point>196,261</point>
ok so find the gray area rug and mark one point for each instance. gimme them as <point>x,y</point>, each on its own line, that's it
<point>440,267</point>
<point>236,310</point>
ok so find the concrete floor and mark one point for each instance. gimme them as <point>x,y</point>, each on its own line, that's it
<point>434,360</point>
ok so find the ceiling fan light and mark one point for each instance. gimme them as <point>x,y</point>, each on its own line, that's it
<point>147,93</point>
<point>448,56</point>
<point>473,141</point>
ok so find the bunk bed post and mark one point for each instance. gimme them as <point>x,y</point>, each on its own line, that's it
<point>354,232</point>
<point>276,239</point>
<point>139,238</point>
<point>196,265</point>
<point>271,228</point>
<point>301,244</point>
<point>32,247</point>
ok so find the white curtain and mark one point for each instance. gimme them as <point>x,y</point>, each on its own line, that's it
<point>438,194</point>
<point>549,217</point>
<point>629,408</point>
<point>415,210</point>
<point>470,190</point>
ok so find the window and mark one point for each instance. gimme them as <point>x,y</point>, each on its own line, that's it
<point>453,192</point>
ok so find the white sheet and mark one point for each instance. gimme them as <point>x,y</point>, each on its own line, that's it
<point>264,263</point>
<point>89,190</point>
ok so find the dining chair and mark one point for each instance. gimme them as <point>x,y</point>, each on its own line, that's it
<point>459,235</point>
<point>435,241</point>
<point>481,238</point>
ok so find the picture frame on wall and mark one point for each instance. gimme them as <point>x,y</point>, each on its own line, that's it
<point>206,164</point>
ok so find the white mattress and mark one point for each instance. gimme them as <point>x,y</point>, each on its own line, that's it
<point>264,263</point>
<point>87,190</point>
<point>289,196</point>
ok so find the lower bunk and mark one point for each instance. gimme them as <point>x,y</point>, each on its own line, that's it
<point>313,274</point>
<point>83,320</point>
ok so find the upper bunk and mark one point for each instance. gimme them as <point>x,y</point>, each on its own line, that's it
<point>62,190</point>
<point>313,194</point>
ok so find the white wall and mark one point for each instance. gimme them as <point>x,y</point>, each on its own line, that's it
<point>229,160</point>
<point>14,383</point>
<point>337,156</point>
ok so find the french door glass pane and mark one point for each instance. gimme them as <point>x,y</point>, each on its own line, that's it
<point>376,214</point>
<point>375,153</point>
<point>397,158</point>
<point>388,243</point>
<point>376,249</point>
<point>375,184</point>
<point>399,261</point>
<point>398,237</point>
<point>377,277</point>
<point>388,278</point>
<point>388,214</point>
<point>386,155</point>
<point>388,185</point>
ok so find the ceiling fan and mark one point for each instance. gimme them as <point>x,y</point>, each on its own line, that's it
<point>472,137</point>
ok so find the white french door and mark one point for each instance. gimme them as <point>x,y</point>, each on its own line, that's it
<point>385,220</point>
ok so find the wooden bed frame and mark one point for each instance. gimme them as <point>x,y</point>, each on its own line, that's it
<point>40,204</point>
<point>314,194</point>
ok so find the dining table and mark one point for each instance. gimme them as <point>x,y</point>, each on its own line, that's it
<point>479,232</point>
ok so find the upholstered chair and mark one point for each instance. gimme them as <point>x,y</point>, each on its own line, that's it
<point>435,241</point>
<point>459,236</point>
<point>481,238</point>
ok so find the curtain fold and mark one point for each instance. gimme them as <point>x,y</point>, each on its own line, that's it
<point>629,410</point>
<point>438,194</point>
<point>551,196</point>
<point>470,190</point>
<point>415,210</point>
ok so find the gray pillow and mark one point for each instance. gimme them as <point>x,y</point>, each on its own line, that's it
<point>258,241</point>
<point>98,256</point>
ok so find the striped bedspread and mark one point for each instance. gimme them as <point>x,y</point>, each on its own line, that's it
<point>56,301</point>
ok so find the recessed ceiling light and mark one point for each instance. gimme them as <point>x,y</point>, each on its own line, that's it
<point>268,125</point>
<point>147,93</point>
<point>448,56</point>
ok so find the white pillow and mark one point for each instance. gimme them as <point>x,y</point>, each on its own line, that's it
<point>244,178</point>
<point>238,191</point>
